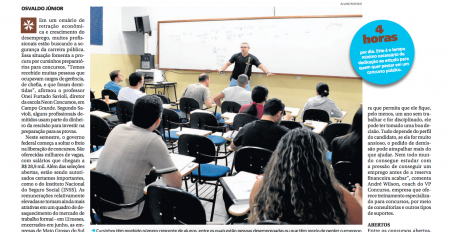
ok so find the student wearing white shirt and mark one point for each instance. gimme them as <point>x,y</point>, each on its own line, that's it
<point>236,93</point>
<point>132,93</point>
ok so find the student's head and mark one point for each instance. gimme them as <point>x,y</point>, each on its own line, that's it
<point>147,111</point>
<point>136,79</point>
<point>204,79</point>
<point>274,107</point>
<point>259,95</point>
<point>116,76</point>
<point>299,186</point>
<point>322,89</point>
<point>242,80</point>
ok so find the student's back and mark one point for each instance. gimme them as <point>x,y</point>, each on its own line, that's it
<point>261,133</point>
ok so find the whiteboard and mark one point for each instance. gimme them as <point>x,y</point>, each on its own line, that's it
<point>295,46</point>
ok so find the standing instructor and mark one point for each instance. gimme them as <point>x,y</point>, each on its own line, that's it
<point>243,65</point>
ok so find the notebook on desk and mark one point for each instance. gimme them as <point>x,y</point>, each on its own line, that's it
<point>239,186</point>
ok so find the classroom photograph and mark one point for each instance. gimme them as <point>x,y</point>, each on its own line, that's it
<point>225,116</point>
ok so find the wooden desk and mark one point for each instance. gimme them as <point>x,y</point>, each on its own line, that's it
<point>111,101</point>
<point>156,85</point>
<point>191,131</point>
<point>184,165</point>
<point>318,127</point>
<point>292,111</point>
<point>340,119</point>
<point>229,117</point>
<point>100,114</point>
<point>238,187</point>
<point>230,135</point>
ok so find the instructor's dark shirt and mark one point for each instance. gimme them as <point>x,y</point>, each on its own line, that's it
<point>241,63</point>
<point>261,133</point>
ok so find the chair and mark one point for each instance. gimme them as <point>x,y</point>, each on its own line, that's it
<point>124,111</point>
<point>142,89</point>
<point>174,206</point>
<point>92,96</point>
<point>98,104</point>
<point>106,194</point>
<point>171,120</point>
<point>316,115</point>
<point>251,159</point>
<point>202,148</point>
<point>229,106</point>
<point>241,119</point>
<point>164,98</point>
<point>335,130</point>
<point>187,105</point>
<point>205,121</point>
<point>112,95</point>
<point>348,174</point>
<point>99,131</point>
<point>291,124</point>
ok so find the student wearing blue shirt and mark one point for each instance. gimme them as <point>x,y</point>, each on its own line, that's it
<point>116,77</point>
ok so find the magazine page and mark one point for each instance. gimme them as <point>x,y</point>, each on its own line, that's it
<point>333,111</point>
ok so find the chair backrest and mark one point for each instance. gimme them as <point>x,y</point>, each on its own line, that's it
<point>99,131</point>
<point>252,159</point>
<point>98,104</point>
<point>142,89</point>
<point>169,116</point>
<point>201,120</point>
<point>335,130</point>
<point>174,206</point>
<point>241,119</point>
<point>92,96</point>
<point>188,104</point>
<point>291,124</point>
<point>112,95</point>
<point>230,106</point>
<point>164,98</point>
<point>192,145</point>
<point>316,115</point>
<point>124,111</point>
<point>104,187</point>
<point>348,173</point>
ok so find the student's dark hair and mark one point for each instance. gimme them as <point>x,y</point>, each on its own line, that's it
<point>353,140</point>
<point>299,186</point>
<point>114,74</point>
<point>322,89</point>
<point>135,78</point>
<point>203,77</point>
<point>273,106</point>
<point>146,111</point>
<point>259,94</point>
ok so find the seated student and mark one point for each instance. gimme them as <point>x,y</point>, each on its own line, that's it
<point>321,102</point>
<point>200,92</point>
<point>299,187</point>
<point>131,151</point>
<point>259,97</point>
<point>116,77</point>
<point>236,93</point>
<point>349,147</point>
<point>132,93</point>
<point>266,132</point>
